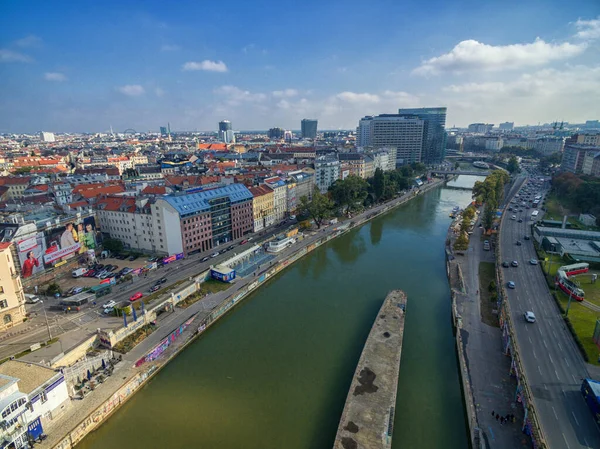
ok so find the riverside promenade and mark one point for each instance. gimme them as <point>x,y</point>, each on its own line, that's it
<point>368,417</point>
<point>485,369</point>
<point>83,416</point>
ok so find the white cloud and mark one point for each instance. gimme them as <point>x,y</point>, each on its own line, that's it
<point>13,56</point>
<point>132,90</point>
<point>209,66</point>
<point>29,41</point>
<point>588,29</point>
<point>286,93</point>
<point>167,47</point>
<point>472,55</point>
<point>364,98</point>
<point>545,95</point>
<point>234,95</point>
<point>54,76</point>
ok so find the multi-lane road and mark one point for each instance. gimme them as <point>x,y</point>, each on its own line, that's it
<point>553,365</point>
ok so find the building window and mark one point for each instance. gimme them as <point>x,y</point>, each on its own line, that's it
<point>7,318</point>
<point>3,304</point>
<point>43,396</point>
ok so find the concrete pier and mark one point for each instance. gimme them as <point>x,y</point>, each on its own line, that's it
<point>367,421</point>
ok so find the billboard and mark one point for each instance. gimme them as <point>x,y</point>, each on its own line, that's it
<point>31,251</point>
<point>70,240</point>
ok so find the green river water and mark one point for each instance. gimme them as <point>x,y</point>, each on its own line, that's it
<point>275,372</point>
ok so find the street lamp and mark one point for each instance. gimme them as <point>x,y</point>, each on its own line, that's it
<point>47,324</point>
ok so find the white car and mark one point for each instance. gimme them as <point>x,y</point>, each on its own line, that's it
<point>109,304</point>
<point>514,217</point>
<point>31,299</point>
<point>530,317</point>
<point>108,310</point>
<point>533,262</point>
<point>214,255</point>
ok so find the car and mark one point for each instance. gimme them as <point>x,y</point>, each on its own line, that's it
<point>136,296</point>
<point>75,291</point>
<point>519,243</point>
<point>292,217</point>
<point>229,248</point>
<point>109,304</point>
<point>213,255</point>
<point>108,310</point>
<point>127,270</point>
<point>526,237</point>
<point>243,242</point>
<point>514,263</point>
<point>155,288</point>
<point>514,217</point>
<point>161,281</point>
<point>250,238</point>
<point>113,268</point>
<point>505,264</point>
<point>533,261</point>
<point>510,284</point>
<point>153,259</point>
<point>223,251</point>
<point>90,274</point>
<point>520,220</point>
<point>31,299</point>
<point>204,259</point>
<point>530,317</point>
<point>132,258</point>
<point>121,256</point>
<point>510,208</point>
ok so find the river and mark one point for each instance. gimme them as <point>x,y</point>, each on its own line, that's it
<point>275,372</point>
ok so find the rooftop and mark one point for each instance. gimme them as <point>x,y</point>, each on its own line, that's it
<point>30,375</point>
<point>196,202</point>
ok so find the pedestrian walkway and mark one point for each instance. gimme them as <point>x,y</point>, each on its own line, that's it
<point>493,388</point>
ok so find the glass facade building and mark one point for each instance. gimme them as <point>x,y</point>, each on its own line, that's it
<point>434,132</point>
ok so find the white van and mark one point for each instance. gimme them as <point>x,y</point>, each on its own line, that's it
<point>79,272</point>
<point>535,213</point>
<point>31,299</point>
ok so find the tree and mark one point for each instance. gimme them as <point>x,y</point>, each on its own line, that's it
<point>318,208</point>
<point>350,192</point>
<point>378,183</point>
<point>488,215</point>
<point>456,165</point>
<point>113,245</point>
<point>53,289</point>
<point>513,165</point>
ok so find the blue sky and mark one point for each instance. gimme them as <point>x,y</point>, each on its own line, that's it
<point>83,66</point>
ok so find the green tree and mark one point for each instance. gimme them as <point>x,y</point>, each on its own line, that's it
<point>513,165</point>
<point>488,215</point>
<point>53,289</point>
<point>319,208</point>
<point>113,245</point>
<point>378,183</point>
<point>456,165</point>
<point>349,193</point>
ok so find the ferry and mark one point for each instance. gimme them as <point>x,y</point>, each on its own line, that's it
<point>454,212</point>
<point>481,164</point>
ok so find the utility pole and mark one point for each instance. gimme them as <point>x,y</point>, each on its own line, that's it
<point>47,324</point>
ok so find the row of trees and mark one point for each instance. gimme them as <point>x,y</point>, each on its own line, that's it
<point>354,193</point>
<point>490,192</point>
<point>462,241</point>
<point>579,192</point>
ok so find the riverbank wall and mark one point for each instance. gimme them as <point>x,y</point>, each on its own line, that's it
<point>195,328</point>
<point>367,420</point>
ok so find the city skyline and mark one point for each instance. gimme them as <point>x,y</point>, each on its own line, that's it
<point>139,67</point>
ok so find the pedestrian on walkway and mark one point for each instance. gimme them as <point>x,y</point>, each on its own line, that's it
<point>493,413</point>
<point>497,416</point>
<point>502,420</point>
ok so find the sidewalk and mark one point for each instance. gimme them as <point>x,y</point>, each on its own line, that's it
<point>493,388</point>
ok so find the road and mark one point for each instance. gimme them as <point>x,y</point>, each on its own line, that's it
<point>553,364</point>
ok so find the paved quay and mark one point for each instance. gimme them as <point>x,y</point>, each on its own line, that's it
<point>368,417</point>
<point>492,390</point>
<point>125,371</point>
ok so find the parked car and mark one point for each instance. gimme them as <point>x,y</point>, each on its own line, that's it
<point>520,220</point>
<point>121,256</point>
<point>243,242</point>
<point>533,262</point>
<point>79,272</point>
<point>214,254</point>
<point>526,237</point>
<point>204,259</point>
<point>511,284</point>
<point>155,288</point>
<point>136,296</point>
<point>31,299</point>
<point>514,217</point>
<point>98,266</point>
<point>161,281</point>
<point>514,263</point>
<point>109,304</point>
<point>127,270</point>
<point>75,291</point>
<point>223,251</point>
<point>230,248</point>
<point>519,243</point>
<point>108,310</point>
<point>505,264</point>
<point>530,317</point>
<point>90,274</point>
<point>132,258</point>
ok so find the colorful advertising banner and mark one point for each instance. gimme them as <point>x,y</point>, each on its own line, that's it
<point>30,251</point>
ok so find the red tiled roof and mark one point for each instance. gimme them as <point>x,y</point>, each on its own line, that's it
<point>155,190</point>
<point>260,190</point>
<point>14,180</point>
<point>77,204</point>
<point>117,203</point>
<point>212,146</point>
<point>4,245</point>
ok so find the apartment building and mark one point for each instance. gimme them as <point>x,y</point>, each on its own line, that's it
<point>12,300</point>
<point>589,139</point>
<point>202,220</point>
<point>304,186</point>
<point>574,156</point>
<point>404,133</point>
<point>262,207</point>
<point>279,196</point>
<point>327,171</point>
<point>127,219</point>
<point>16,185</point>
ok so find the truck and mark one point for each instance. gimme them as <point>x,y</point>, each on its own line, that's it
<point>590,389</point>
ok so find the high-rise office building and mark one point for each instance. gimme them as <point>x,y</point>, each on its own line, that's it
<point>226,132</point>
<point>506,126</point>
<point>403,132</point>
<point>276,133</point>
<point>434,132</point>
<point>163,131</point>
<point>363,132</point>
<point>309,128</point>
<point>47,137</point>
<point>480,128</point>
